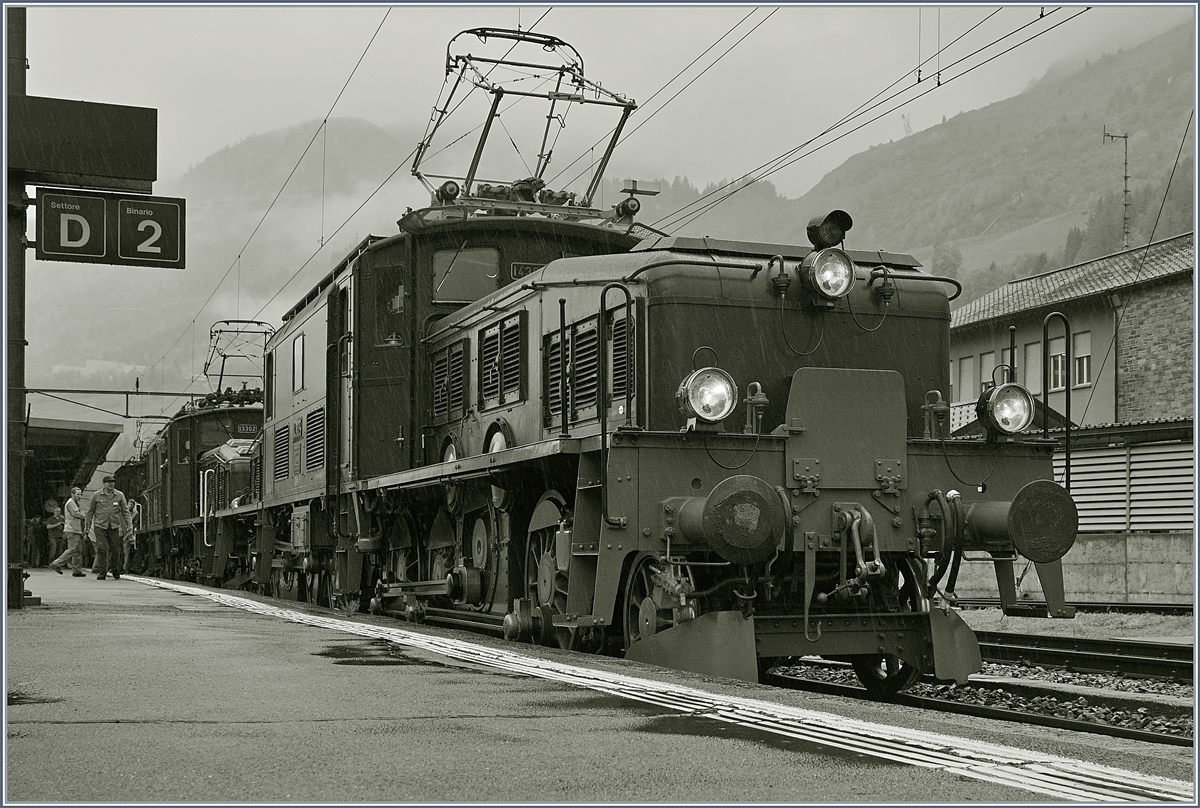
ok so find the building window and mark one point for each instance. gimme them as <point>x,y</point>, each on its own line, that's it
<point>1033,367</point>
<point>1006,375</point>
<point>1058,364</point>
<point>953,380</point>
<point>1082,348</point>
<point>298,363</point>
<point>987,366</point>
<point>968,380</point>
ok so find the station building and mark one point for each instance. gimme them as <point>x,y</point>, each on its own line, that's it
<point>1129,374</point>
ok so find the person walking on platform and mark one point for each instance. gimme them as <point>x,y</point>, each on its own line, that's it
<point>108,515</point>
<point>135,519</point>
<point>73,532</point>
<point>54,529</point>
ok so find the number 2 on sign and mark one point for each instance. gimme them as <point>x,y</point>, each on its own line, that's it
<point>156,233</point>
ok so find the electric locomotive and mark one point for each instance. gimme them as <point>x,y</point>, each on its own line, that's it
<point>536,417</point>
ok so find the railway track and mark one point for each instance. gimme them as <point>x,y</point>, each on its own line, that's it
<point>978,710</point>
<point>1158,660</point>
<point>1103,607</point>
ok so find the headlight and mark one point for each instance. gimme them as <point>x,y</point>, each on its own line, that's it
<point>708,394</point>
<point>1006,409</point>
<point>829,273</point>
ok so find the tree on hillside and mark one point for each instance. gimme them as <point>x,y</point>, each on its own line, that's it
<point>1105,228</point>
<point>947,260</point>
<point>1072,247</point>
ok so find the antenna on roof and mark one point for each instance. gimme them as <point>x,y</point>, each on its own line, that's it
<point>1125,221</point>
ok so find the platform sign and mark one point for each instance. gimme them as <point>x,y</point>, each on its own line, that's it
<point>101,228</point>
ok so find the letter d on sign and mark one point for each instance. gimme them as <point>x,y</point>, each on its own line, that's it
<point>64,234</point>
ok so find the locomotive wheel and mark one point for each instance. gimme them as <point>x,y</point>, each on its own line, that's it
<point>545,584</point>
<point>884,675</point>
<point>641,616</point>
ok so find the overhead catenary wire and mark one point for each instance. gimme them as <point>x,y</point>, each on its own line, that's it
<point>660,90</point>
<point>679,219</point>
<point>778,162</point>
<point>237,262</point>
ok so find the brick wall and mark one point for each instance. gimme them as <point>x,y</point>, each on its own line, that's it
<point>1154,352</point>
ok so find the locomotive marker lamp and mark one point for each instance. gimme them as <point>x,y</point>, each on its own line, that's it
<point>1005,410</point>
<point>829,230</point>
<point>706,397</point>
<point>447,192</point>
<point>627,208</point>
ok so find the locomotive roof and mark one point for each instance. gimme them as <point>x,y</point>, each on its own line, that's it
<point>597,270</point>
<point>415,225</point>
<point>711,246</point>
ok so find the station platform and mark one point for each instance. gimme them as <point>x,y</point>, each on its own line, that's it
<point>139,690</point>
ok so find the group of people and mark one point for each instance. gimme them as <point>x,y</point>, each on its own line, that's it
<point>109,517</point>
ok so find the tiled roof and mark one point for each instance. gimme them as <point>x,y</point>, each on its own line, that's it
<point>1112,272</point>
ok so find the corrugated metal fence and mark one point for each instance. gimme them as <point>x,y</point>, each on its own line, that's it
<point>1149,486</point>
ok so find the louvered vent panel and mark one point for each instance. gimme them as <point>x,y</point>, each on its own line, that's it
<point>489,365</point>
<point>458,393</point>
<point>282,444</point>
<point>314,439</point>
<point>553,375</point>
<point>586,367</point>
<point>441,385</point>
<point>620,362</point>
<point>256,481</point>
<point>510,359</point>
<point>222,488</point>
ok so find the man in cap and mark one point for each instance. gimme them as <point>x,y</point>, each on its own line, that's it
<point>108,515</point>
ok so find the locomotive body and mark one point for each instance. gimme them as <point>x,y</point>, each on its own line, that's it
<point>700,453</point>
<point>172,536</point>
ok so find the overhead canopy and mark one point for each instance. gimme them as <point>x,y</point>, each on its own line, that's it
<point>61,454</point>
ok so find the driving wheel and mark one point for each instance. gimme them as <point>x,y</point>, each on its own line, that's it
<point>545,583</point>
<point>642,617</point>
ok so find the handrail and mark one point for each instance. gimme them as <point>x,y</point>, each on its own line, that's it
<point>602,392</point>
<point>1046,388</point>
<point>204,502</point>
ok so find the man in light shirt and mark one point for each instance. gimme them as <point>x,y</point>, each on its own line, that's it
<point>108,515</point>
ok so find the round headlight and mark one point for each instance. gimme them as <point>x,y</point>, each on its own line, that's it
<point>708,394</point>
<point>1007,408</point>
<point>829,273</point>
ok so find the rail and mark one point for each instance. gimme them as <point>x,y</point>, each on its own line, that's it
<point>1125,657</point>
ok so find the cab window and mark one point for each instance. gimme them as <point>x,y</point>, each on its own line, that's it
<point>465,273</point>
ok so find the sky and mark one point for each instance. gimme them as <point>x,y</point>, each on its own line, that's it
<point>219,74</point>
<point>764,79</point>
